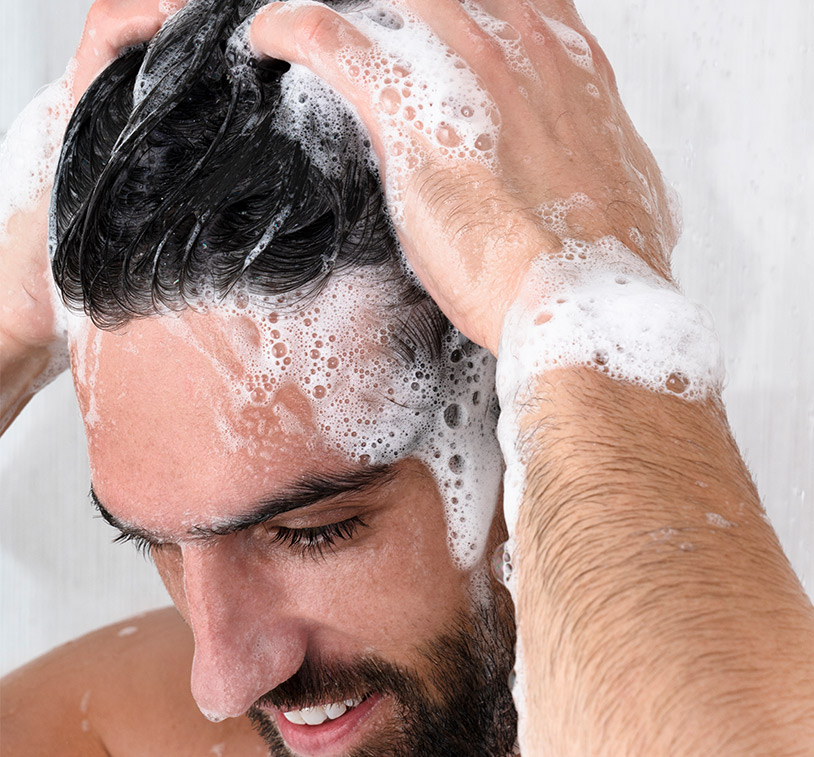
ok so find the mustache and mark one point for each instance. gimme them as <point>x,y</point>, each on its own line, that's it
<point>319,682</point>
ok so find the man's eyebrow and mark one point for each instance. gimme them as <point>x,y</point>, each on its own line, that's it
<point>310,490</point>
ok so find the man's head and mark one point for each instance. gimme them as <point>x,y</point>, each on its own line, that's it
<point>271,403</point>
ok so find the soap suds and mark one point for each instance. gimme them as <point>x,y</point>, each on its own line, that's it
<point>423,92</point>
<point>367,403</point>
<point>598,305</point>
<point>30,150</point>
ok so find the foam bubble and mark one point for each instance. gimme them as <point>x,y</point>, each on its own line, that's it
<point>30,149</point>
<point>370,404</point>
<point>423,92</point>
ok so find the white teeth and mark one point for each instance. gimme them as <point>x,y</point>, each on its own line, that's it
<point>294,717</point>
<point>335,709</point>
<point>319,714</point>
<point>313,715</point>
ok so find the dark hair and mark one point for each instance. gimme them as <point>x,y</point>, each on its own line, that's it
<point>187,187</point>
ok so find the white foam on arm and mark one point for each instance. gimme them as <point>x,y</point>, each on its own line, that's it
<point>31,147</point>
<point>598,305</point>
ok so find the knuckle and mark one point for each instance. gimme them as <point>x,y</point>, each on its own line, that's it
<point>98,12</point>
<point>316,26</point>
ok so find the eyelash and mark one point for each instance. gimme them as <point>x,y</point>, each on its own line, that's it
<point>309,542</point>
<point>142,545</point>
<point>314,541</point>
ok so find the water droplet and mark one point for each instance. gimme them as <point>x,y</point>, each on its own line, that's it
<point>483,142</point>
<point>447,136</point>
<point>456,464</point>
<point>333,362</point>
<point>502,563</point>
<point>319,391</point>
<point>390,100</point>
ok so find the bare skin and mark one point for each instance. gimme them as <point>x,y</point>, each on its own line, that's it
<point>121,690</point>
<point>685,651</point>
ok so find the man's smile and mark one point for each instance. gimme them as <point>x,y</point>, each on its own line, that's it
<point>318,714</point>
<point>330,729</point>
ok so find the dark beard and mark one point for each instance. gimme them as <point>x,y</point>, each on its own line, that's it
<point>462,709</point>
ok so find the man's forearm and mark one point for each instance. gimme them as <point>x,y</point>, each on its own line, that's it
<point>657,612</point>
<point>22,372</point>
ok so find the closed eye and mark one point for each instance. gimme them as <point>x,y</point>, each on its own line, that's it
<point>143,546</point>
<point>314,541</point>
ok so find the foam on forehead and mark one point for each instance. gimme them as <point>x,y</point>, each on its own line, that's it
<point>369,403</point>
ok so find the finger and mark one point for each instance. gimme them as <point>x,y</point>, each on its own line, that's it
<point>461,27</point>
<point>313,36</point>
<point>563,10</point>
<point>109,28</point>
<point>332,48</point>
<point>575,39</point>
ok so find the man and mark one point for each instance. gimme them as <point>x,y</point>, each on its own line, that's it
<point>643,651</point>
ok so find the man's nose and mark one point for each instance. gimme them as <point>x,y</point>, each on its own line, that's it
<point>245,644</point>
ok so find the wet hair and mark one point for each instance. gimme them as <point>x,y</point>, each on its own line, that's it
<point>174,184</point>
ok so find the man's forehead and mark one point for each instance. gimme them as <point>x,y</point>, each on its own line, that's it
<point>168,418</point>
<point>244,395</point>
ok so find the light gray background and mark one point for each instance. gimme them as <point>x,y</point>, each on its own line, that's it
<point>724,94</point>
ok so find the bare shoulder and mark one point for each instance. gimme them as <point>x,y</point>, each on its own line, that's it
<point>122,691</point>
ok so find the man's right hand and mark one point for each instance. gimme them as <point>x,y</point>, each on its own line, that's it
<point>470,227</point>
<point>31,348</point>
